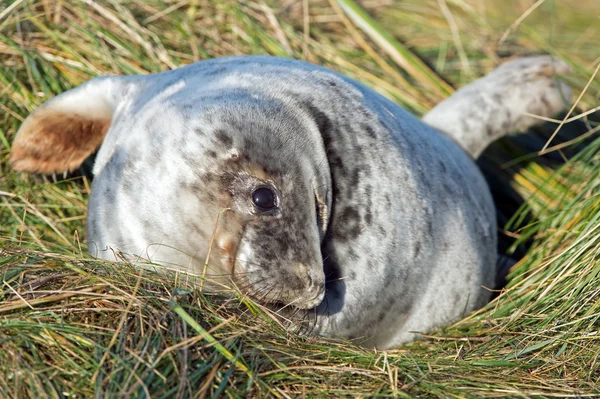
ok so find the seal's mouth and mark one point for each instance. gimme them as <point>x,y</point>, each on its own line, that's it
<point>302,302</point>
<point>308,299</point>
<point>310,302</point>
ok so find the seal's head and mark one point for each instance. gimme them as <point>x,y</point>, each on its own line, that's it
<point>173,158</point>
<point>275,197</point>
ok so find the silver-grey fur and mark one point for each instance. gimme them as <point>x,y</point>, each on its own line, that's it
<point>384,226</point>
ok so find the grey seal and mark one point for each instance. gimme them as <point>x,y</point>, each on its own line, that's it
<point>333,200</point>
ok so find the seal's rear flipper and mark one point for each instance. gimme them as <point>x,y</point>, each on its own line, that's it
<point>496,105</point>
<point>65,130</point>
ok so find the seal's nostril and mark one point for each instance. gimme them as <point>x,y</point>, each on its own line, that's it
<point>310,280</point>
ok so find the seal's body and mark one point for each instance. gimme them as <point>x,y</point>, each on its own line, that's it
<point>332,199</point>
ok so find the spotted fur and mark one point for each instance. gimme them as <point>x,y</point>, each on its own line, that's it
<point>384,226</point>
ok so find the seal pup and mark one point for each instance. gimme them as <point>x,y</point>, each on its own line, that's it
<point>333,199</point>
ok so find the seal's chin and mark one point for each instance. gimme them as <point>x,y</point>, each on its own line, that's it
<point>304,301</point>
<point>309,301</point>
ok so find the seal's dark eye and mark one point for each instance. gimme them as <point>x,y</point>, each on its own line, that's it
<point>264,198</point>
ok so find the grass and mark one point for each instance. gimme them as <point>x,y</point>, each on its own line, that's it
<point>71,326</point>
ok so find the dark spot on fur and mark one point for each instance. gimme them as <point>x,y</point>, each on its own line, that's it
<point>370,131</point>
<point>369,217</point>
<point>443,167</point>
<point>211,153</point>
<point>109,194</point>
<point>151,124</point>
<point>352,254</point>
<point>336,163</point>
<point>227,179</point>
<point>266,266</point>
<point>322,121</point>
<point>448,188</point>
<point>388,201</point>
<point>429,228</point>
<point>244,157</point>
<point>224,138</point>
<point>283,242</point>
<point>273,172</point>
<point>147,225</point>
<point>370,265</point>
<point>386,309</point>
<point>213,71</point>
<point>93,228</point>
<point>156,155</point>
<point>347,225</point>
<point>194,227</point>
<point>247,144</point>
<point>189,159</point>
<point>417,249</point>
<point>355,179</point>
<point>387,282</point>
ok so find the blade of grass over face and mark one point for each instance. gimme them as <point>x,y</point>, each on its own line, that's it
<point>72,326</point>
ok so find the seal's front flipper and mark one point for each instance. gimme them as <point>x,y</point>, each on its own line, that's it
<point>498,104</point>
<point>65,130</point>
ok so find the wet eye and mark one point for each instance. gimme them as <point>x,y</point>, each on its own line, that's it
<point>264,198</point>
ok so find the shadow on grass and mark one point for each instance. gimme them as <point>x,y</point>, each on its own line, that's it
<point>506,158</point>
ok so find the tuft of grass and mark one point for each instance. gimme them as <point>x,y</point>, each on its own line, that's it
<point>77,327</point>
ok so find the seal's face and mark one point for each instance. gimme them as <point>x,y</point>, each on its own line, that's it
<point>267,237</point>
<point>275,259</point>
<point>272,216</point>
